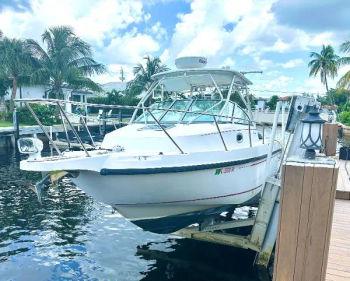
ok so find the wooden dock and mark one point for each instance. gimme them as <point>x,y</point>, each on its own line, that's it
<point>343,186</point>
<point>338,268</point>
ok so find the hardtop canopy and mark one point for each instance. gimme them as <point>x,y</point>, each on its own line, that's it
<point>185,79</point>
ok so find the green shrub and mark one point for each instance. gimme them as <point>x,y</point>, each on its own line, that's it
<point>344,117</point>
<point>114,98</point>
<point>48,115</point>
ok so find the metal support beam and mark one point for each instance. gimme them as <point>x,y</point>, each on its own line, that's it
<point>221,137</point>
<point>88,131</point>
<point>73,130</point>
<point>272,137</point>
<point>65,130</point>
<point>269,195</point>
<point>263,257</point>
<point>229,225</point>
<point>160,125</point>
<point>43,129</point>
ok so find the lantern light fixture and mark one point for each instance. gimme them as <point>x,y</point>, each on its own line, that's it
<point>311,134</point>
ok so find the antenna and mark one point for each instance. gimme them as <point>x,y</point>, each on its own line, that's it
<point>122,77</point>
<point>252,71</point>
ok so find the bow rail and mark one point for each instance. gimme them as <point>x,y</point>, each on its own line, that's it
<point>148,109</point>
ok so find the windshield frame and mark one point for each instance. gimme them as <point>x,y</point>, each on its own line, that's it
<point>147,119</point>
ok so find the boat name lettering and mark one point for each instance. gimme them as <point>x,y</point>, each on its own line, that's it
<point>225,170</point>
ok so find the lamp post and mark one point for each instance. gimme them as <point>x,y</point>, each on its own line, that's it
<point>311,134</point>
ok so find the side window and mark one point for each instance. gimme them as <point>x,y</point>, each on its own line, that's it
<point>240,116</point>
<point>227,111</point>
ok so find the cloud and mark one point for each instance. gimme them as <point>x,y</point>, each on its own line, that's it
<point>269,35</point>
<point>17,5</point>
<point>92,20</point>
<point>319,16</point>
<point>243,27</point>
<point>129,48</point>
<point>113,73</point>
<point>108,25</point>
<point>158,31</point>
<point>292,63</point>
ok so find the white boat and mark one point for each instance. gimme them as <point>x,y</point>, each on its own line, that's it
<point>191,154</point>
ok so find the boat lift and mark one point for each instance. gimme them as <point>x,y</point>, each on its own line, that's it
<point>264,225</point>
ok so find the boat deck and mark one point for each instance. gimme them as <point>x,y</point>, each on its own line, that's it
<point>343,185</point>
<point>338,268</point>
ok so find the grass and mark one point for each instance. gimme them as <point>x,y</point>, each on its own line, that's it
<point>5,123</point>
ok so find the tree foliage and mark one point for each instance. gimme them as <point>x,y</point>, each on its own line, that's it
<point>5,84</point>
<point>344,81</point>
<point>325,64</point>
<point>114,97</point>
<point>16,63</point>
<point>143,75</point>
<point>338,97</point>
<point>272,102</point>
<point>66,63</point>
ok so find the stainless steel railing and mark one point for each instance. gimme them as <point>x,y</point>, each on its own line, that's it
<point>64,117</point>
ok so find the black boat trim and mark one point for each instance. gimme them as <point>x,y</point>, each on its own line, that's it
<point>180,169</point>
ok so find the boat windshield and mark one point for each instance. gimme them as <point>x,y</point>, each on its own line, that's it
<point>186,111</point>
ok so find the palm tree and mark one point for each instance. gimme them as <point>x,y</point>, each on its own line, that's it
<point>143,73</point>
<point>16,63</point>
<point>66,63</point>
<point>344,81</point>
<point>325,63</point>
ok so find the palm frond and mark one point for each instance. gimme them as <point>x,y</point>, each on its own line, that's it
<point>345,47</point>
<point>344,81</point>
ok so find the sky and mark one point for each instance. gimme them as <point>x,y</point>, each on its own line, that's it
<point>274,36</point>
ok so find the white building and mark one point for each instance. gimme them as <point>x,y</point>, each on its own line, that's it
<point>260,104</point>
<point>41,92</point>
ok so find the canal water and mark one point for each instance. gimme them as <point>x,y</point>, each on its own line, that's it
<point>72,237</point>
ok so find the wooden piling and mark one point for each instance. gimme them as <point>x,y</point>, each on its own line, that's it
<point>329,140</point>
<point>307,199</point>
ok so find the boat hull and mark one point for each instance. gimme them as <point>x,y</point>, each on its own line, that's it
<point>164,201</point>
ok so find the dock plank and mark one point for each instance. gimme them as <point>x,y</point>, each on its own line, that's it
<point>338,268</point>
<point>343,185</point>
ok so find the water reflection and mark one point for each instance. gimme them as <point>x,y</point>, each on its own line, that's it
<point>71,237</point>
<point>185,259</point>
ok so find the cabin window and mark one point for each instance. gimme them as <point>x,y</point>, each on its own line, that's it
<point>157,109</point>
<point>240,116</point>
<point>174,116</point>
<point>206,106</point>
<point>216,107</point>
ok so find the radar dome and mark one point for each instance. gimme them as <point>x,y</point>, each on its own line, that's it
<point>190,62</point>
